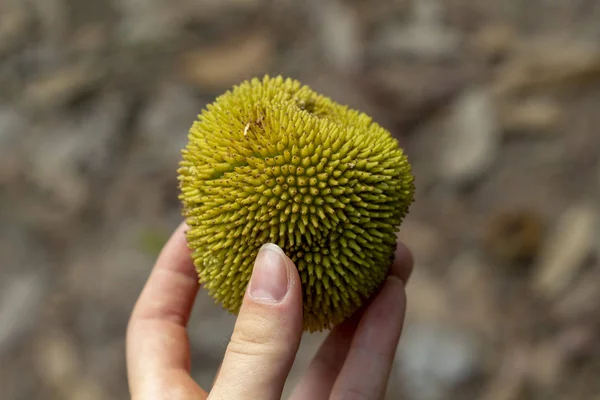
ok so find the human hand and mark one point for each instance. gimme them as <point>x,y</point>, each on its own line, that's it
<point>353,362</point>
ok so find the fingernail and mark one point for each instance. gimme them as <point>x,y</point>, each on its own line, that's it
<point>269,282</point>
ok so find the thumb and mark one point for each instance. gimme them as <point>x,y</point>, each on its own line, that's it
<point>267,331</point>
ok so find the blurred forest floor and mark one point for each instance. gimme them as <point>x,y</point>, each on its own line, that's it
<point>496,102</point>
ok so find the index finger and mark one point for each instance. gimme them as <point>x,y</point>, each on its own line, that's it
<point>157,342</point>
<point>403,262</point>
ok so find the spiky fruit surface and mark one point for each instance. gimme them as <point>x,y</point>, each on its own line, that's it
<point>273,161</point>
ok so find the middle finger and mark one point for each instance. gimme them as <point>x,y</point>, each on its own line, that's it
<point>369,361</point>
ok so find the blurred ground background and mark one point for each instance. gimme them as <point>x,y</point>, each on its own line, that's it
<point>496,102</point>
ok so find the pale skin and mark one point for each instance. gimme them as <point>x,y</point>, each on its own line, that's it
<point>353,363</point>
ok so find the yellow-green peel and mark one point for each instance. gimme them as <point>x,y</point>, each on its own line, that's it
<point>273,161</point>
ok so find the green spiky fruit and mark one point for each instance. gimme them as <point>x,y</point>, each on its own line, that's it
<point>273,161</point>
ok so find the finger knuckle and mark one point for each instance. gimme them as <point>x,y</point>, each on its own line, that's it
<point>356,393</point>
<point>254,336</point>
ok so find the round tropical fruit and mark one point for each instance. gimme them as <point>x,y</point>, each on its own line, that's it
<point>273,161</point>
